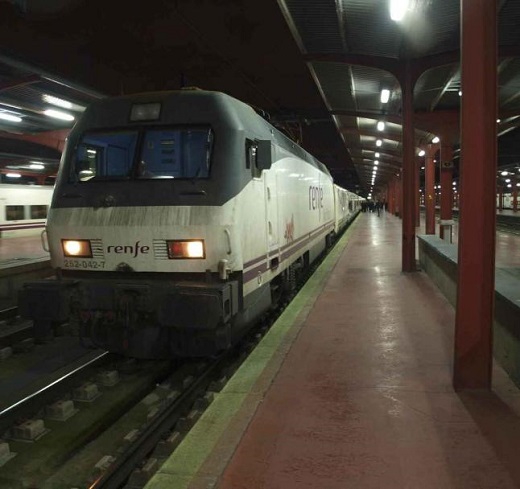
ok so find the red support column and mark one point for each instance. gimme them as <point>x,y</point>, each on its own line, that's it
<point>399,197</point>
<point>408,176</point>
<point>389,197</point>
<point>429,191</point>
<point>446,166</point>
<point>476,251</point>
<point>417,193</point>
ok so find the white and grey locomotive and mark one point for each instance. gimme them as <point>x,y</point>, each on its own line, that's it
<point>178,218</point>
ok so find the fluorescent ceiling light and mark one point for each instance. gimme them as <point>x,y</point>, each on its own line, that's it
<point>379,142</point>
<point>9,117</point>
<point>385,95</point>
<point>36,166</point>
<point>13,175</point>
<point>508,180</point>
<point>509,185</point>
<point>460,93</point>
<point>498,120</point>
<point>504,173</point>
<point>57,101</point>
<point>435,140</point>
<point>58,115</point>
<point>378,155</point>
<point>380,126</point>
<point>398,9</point>
<point>422,152</point>
<point>376,162</point>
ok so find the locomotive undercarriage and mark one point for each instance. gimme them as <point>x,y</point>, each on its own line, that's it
<point>156,319</point>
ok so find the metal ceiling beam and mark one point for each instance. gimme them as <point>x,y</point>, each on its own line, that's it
<point>18,82</point>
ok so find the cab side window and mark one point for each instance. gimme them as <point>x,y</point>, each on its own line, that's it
<point>251,158</point>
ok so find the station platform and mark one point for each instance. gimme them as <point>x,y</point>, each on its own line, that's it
<point>22,259</point>
<point>352,387</point>
<point>21,248</point>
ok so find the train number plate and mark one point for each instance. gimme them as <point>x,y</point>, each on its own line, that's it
<point>84,264</point>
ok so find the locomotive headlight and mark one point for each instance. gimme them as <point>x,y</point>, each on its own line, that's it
<point>79,248</point>
<point>193,248</point>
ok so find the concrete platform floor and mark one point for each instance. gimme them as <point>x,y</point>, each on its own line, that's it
<point>26,247</point>
<point>363,395</point>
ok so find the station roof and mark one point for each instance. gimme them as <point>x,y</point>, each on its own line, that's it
<point>317,66</point>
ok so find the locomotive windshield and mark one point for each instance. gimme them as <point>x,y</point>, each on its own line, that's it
<point>143,154</point>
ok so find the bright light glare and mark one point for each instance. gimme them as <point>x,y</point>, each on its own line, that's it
<point>385,95</point>
<point>379,142</point>
<point>13,175</point>
<point>377,155</point>
<point>376,162</point>
<point>435,140</point>
<point>422,152</point>
<point>10,117</point>
<point>195,249</point>
<point>58,115</point>
<point>36,166</point>
<point>504,173</point>
<point>72,247</point>
<point>57,101</point>
<point>380,126</point>
<point>398,9</point>
<point>508,180</point>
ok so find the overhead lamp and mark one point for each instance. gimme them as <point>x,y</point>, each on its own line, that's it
<point>504,173</point>
<point>10,117</point>
<point>13,175</point>
<point>398,9</point>
<point>57,101</point>
<point>435,140</point>
<point>385,95</point>
<point>508,180</point>
<point>518,184</point>
<point>376,162</point>
<point>378,155</point>
<point>454,183</point>
<point>422,167</point>
<point>498,120</point>
<point>57,114</point>
<point>380,126</point>
<point>509,185</point>
<point>36,166</point>
<point>379,142</point>
<point>422,152</point>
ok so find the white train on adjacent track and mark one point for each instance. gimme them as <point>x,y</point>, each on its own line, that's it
<point>178,219</point>
<point>23,209</point>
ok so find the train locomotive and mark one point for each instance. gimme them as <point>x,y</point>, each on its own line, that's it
<point>177,220</point>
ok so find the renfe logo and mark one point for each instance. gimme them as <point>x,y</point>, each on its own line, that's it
<point>132,249</point>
